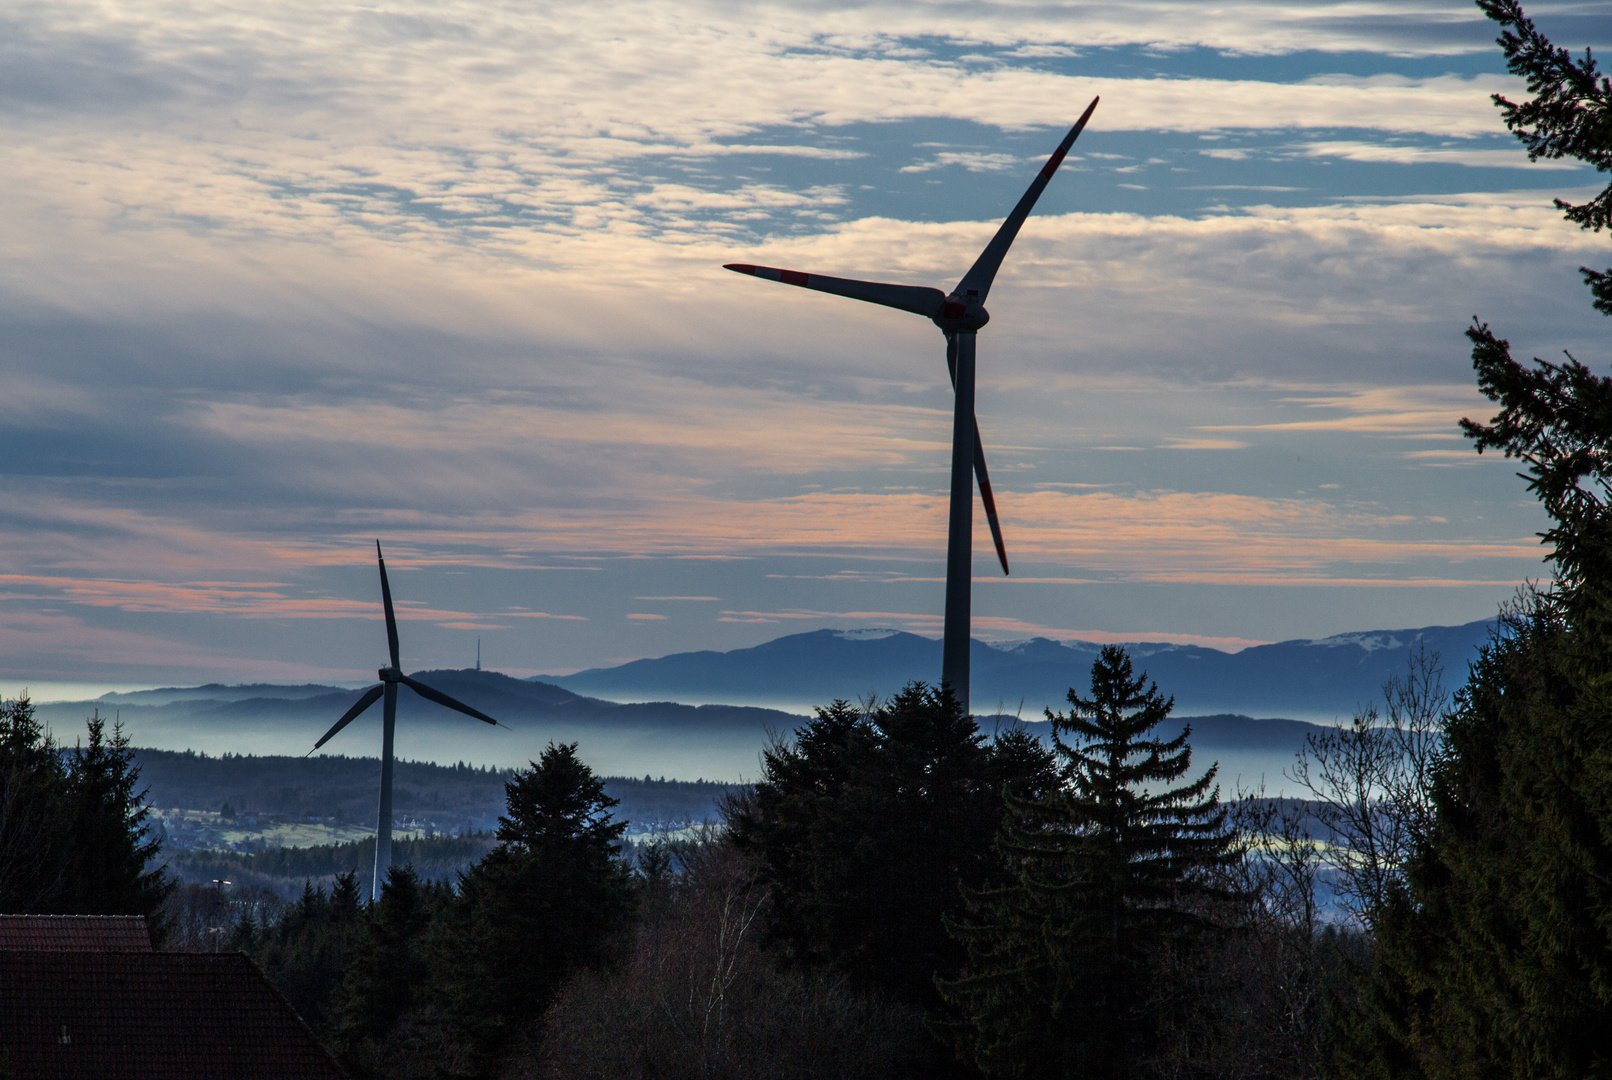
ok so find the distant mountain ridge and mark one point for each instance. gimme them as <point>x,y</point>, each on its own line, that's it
<point>663,738</point>
<point>1318,679</point>
<point>500,695</point>
<point>708,714</point>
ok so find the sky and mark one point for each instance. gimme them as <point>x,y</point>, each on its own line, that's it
<point>276,281</point>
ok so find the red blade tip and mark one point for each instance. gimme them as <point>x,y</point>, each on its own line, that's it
<point>739,268</point>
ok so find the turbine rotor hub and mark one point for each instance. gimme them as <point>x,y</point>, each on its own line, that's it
<point>390,675</point>
<point>962,313</point>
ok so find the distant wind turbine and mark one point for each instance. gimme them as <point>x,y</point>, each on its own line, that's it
<point>390,677</point>
<point>959,315</point>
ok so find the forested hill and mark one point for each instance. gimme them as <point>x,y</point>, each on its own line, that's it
<point>685,741</point>
<point>343,788</point>
<point>499,695</point>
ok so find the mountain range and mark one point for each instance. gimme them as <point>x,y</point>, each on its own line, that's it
<point>707,715</point>
<point>1322,680</point>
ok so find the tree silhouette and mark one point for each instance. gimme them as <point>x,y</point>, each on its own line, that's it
<point>1106,871</point>
<point>539,906</point>
<point>1570,115</point>
<point>869,824</point>
<point>1496,958</point>
<point>110,871</point>
<point>73,834</point>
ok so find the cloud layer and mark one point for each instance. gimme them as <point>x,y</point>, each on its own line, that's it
<point>275,281</point>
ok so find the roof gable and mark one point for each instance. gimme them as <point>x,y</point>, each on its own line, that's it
<point>75,933</point>
<point>137,1015</point>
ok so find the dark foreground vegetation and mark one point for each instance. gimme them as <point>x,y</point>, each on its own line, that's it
<point>901,896</point>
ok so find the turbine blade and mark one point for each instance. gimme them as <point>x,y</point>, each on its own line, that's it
<point>983,272</point>
<point>386,598</point>
<point>371,696</point>
<point>914,298</point>
<point>443,699</point>
<point>987,498</point>
<point>979,464</point>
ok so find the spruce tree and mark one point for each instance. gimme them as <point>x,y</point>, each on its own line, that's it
<point>1495,960</point>
<point>73,833</point>
<point>110,870</point>
<point>539,906</point>
<point>386,978</point>
<point>33,834</point>
<point>1570,115</point>
<point>1108,871</point>
<point>306,952</point>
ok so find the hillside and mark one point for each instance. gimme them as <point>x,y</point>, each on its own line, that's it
<point>662,738</point>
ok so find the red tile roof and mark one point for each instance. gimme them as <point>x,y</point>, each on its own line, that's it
<point>144,1015</point>
<point>75,933</point>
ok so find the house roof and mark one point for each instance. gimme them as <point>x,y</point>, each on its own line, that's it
<point>75,933</point>
<point>135,1015</point>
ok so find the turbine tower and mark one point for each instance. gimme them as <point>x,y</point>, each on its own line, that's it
<point>960,314</point>
<point>387,688</point>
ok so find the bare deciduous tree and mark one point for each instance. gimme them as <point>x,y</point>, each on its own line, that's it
<point>697,997</point>
<point>1372,780</point>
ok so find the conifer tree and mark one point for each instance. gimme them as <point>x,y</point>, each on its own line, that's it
<point>73,834</point>
<point>1107,870</point>
<point>1570,115</point>
<point>868,826</point>
<point>33,837</point>
<point>386,977</point>
<point>1496,959</point>
<point>110,871</point>
<point>539,905</point>
<point>306,952</point>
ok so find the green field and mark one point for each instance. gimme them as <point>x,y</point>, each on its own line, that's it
<point>208,830</point>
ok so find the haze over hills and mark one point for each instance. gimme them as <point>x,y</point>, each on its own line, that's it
<point>1321,680</point>
<point>707,715</point>
<point>664,738</point>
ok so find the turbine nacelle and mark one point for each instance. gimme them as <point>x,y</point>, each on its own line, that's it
<point>390,674</point>
<point>962,314</point>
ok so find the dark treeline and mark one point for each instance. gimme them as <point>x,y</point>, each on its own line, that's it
<point>337,788</point>
<point>331,787</point>
<point>283,872</point>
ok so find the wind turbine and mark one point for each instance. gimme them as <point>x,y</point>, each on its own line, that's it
<point>387,688</point>
<point>960,314</point>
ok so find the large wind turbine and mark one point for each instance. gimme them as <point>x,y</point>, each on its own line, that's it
<point>959,314</point>
<point>387,688</point>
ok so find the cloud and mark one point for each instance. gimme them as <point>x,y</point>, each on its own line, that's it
<point>1403,411</point>
<point>711,599</point>
<point>1176,442</point>
<point>241,599</point>
<point>972,161</point>
<point>42,645</point>
<point>304,123</point>
<point>1511,158</point>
